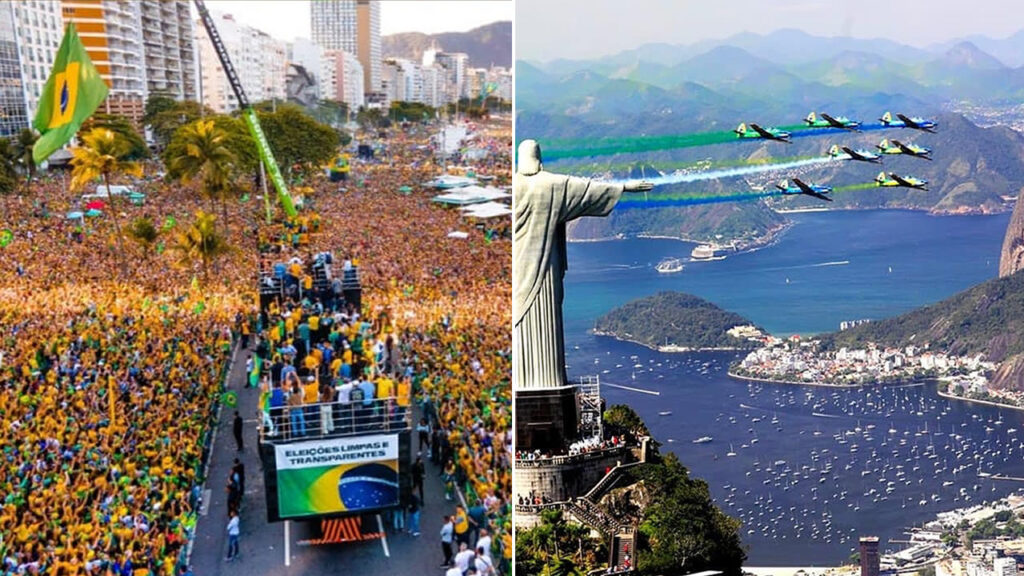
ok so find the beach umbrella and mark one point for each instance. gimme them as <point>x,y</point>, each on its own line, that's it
<point>92,213</point>
<point>76,215</point>
<point>6,236</point>
<point>405,189</point>
<point>95,205</point>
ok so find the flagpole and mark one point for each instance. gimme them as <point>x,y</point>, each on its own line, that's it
<point>112,400</point>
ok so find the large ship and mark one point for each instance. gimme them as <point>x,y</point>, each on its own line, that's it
<point>669,266</point>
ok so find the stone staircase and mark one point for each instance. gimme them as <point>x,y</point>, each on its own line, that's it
<point>623,545</point>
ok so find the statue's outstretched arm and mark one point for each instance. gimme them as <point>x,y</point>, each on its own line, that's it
<point>640,186</point>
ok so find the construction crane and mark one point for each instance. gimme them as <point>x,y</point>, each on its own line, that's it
<point>248,114</point>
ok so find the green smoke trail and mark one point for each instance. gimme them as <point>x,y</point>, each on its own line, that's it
<point>607,146</point>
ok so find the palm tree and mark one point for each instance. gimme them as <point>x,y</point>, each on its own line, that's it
<point>208,157</point>
<point>144,233</point>
<point>101,155</point>
<point>8,181</point>
<point>200,242</point>
<point>23,146</point>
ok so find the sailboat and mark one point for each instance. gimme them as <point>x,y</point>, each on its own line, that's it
<point>731,452</point>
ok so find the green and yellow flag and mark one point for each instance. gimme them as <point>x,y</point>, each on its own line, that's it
<point>72,93</point>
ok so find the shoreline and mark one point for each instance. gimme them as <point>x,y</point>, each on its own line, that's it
<point>949,396</point>
<point>731,374</point>
<point>772,236</point>
<point>671,349</point>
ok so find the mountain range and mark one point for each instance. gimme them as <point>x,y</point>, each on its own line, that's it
<point>486,45</point>
<point>797,47</point>
<point>659,90</point>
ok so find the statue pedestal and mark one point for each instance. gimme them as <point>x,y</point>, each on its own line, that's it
<point>547,419</point>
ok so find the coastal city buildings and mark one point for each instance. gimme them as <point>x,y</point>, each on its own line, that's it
<point>13,116</point>
<point>259,59</point>
<point>352,26</point>
<point>796,360</point>
<point>38,28</point>
<point>138,47</point>
<point>159,47</point>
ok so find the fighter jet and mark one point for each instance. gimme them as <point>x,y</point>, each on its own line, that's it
<point>897,147</point>
<point>885,148</point>
<point>756,131</point>
<point>905,122</point>
<point>827,121</point>
<point>913,150</point>
<point>802,188</point>
<point>860,155</point>
<point>894,181</point>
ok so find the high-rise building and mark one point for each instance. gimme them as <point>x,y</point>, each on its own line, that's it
<point>259,60</point>
<point>40,29</point>
<point>368,48</point>
<point>354,27</point>
<point>168,42</point>
<point>869,561</point>
<point>455,64</point>
<point>13,116</point>
<point>1004,567</point>
<point>342,79</point>
<point>138,48</point>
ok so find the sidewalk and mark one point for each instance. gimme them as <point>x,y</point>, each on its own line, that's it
<point>262,544</point>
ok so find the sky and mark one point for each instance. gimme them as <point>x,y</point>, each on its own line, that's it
<point>581,29</point>
<point>288,19</point>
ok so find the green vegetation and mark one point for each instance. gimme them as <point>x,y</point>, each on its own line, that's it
<point>556,547</point>
<point>104,154</point>
<point>301,145</point>
<point>200,243</point>
<point>206,156</point>
<point>144,233</point>
<point>136,146</point>
<point>621,420</point>
<point>164,115</point>
<point>411,112</point>
<point>673,318</point>
<point>680,530</point>
<point>1002,524</point>
<point>988,319</point>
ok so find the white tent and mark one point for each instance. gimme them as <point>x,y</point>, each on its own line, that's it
<point>486,210</point>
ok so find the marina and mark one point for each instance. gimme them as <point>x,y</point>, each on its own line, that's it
<point>813,467</point>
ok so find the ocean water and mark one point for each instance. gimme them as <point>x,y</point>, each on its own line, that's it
<point>807,485</point>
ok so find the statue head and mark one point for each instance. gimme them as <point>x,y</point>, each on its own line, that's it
<point>529,158</point>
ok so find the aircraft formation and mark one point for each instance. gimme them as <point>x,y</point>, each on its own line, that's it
<point>884,148</point>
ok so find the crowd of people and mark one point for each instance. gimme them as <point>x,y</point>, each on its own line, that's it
<point>106,399</point>
<point>110,376</point>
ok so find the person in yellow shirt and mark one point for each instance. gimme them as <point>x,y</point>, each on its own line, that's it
<point>461,521</point>
<point>385,388</point>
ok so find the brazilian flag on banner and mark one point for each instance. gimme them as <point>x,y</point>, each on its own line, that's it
<point>72,93</point>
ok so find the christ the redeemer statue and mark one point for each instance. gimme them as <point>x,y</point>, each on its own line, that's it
<point>543,203</point>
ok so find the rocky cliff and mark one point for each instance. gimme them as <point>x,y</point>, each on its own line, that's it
<point>1012,258</point>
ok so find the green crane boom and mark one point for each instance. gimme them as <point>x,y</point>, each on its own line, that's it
<point>248,114</point>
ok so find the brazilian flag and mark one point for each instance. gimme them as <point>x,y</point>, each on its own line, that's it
<point>254,377</point>
<point>72,93</point>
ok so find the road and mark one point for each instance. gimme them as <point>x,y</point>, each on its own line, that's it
<point>262,544</point>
